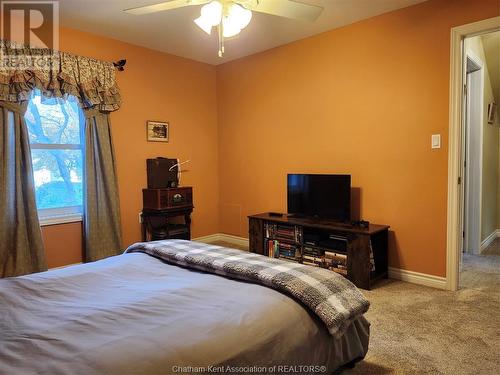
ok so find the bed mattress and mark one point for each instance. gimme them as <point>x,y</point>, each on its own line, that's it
<point>133,313</point>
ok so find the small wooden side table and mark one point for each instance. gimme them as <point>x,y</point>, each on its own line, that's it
<point>166,213</point>
<point>158,225</point>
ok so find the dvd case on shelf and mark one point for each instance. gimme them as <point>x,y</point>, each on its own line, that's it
<point>286,242</point>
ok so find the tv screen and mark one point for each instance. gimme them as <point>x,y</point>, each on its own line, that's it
<point>320,195</point>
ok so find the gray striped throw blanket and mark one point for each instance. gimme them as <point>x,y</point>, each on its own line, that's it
<point>333,298</point>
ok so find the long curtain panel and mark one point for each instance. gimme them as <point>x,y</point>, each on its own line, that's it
<point>102,210</point>
<point>21,245</point>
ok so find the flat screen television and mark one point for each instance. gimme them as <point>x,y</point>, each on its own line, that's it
<point>324,196</point>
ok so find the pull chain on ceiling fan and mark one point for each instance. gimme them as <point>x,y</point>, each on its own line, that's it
<point>232,16</point>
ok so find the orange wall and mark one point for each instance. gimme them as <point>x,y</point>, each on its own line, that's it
<point>154,86</point>
<point>364,100</point>
<point>63,244</point>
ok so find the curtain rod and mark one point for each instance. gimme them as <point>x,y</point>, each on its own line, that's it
<point>120,65</point>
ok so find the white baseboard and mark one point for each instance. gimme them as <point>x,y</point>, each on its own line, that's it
<point>488,240</point>
<point>208,239</point>
<point>417,278</point>
<point>240,241</point>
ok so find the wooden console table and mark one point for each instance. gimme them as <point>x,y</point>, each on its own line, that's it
<point>364,249</point>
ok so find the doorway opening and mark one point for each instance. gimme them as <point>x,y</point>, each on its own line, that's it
<point>456,160</point>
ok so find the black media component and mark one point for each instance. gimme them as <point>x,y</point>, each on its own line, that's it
<point>320,196</point>
<point>335,242</point>
<point>361,224</point>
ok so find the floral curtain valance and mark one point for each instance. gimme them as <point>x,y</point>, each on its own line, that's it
<point>56,74</point>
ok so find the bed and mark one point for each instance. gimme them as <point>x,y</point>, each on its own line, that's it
<point>135,313</point>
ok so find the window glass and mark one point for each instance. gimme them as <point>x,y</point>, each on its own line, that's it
<point>54,127</point>
<point>58,177</point>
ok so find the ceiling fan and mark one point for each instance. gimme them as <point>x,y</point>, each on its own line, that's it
<point>232,16</point>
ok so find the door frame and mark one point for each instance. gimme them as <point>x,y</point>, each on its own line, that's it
<point>455,152</point>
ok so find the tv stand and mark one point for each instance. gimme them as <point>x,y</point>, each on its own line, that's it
<point>360,254</point>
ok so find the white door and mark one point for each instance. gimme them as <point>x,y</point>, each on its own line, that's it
<point>473,158</point>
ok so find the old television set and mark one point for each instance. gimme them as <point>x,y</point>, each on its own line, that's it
<point>162,173</point>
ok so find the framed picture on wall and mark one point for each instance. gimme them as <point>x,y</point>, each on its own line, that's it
<point>492,109</point>
<point>157,131</point>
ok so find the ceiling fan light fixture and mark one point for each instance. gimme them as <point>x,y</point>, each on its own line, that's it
<point>211,15</point>
<point>203,24</point>
<point>239,16</point>
<point>212,12</point>
<point>232,16</point>
<point>229,28</point>
<point>237,19</point>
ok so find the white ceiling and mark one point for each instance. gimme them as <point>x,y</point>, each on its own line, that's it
<point>174,31</point>
<point>491,46</point>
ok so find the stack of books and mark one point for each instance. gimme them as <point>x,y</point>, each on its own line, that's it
<point>273,248</point>
<point>283,250</point>
<point>312,257</point>
<point>336,262</point>
<point>284,232</point>
<point>288,252</point>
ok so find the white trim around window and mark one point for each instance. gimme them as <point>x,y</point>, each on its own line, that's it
<point>55,146</point>
<point>54,216</point>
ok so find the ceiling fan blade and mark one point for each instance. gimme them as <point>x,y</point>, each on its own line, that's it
<point>172,4</point>
<point>286,8</point>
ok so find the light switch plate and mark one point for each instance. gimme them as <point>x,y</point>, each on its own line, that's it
<point>436,141</point>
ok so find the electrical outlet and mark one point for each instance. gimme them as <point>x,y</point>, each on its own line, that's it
<point>140,217</point>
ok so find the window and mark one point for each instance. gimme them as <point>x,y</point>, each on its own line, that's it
<point>55,132</point>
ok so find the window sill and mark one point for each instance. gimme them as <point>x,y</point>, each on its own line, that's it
<point>60,219</point>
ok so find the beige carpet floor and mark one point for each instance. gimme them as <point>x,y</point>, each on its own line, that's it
<point>421,330</point>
